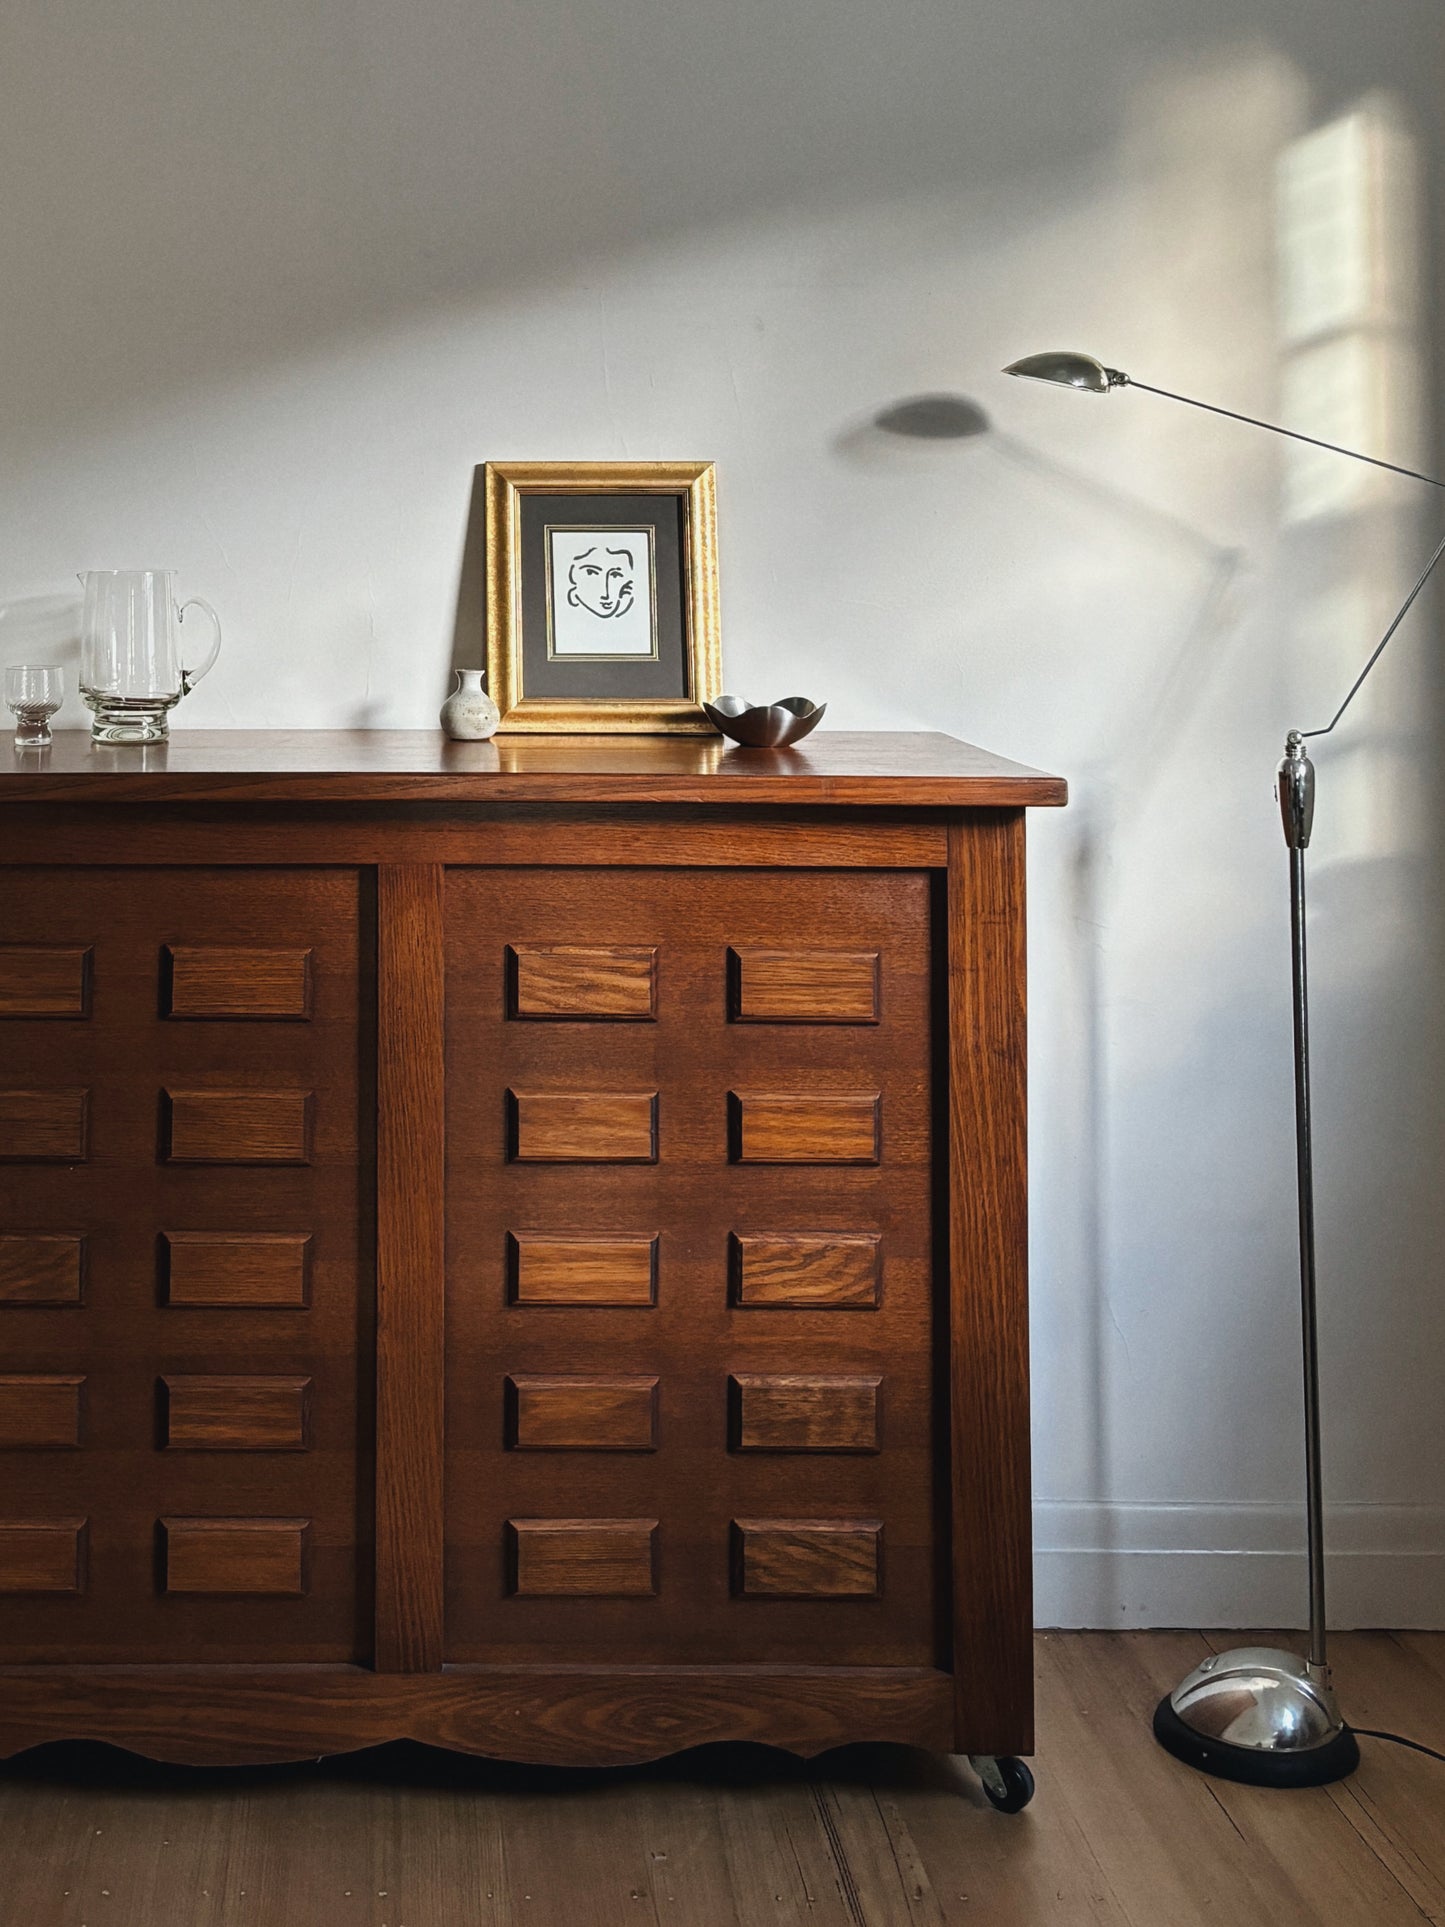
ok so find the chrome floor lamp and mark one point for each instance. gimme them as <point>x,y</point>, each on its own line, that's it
<point>1257,1713</point>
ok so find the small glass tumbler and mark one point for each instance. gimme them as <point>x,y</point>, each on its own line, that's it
<point>33,694</point>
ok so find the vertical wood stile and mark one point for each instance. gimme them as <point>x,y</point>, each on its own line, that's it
<point>410,1268</point>
<point>988,1287</point>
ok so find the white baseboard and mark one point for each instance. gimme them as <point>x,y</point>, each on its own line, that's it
<point>1102,1565</point>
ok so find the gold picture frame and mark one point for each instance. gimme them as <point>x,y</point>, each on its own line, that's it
<point>516,604</point>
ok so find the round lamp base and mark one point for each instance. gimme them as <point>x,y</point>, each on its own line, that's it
<point>1259,1716</point>
<point>1336,1760</point>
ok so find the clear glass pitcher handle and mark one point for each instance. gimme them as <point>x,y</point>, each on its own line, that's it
<point>190,677</point>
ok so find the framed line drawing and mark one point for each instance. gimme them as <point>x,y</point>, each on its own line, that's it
<point>602,596</point>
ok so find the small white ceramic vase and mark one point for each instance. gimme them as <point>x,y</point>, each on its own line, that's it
<point>469,715</point>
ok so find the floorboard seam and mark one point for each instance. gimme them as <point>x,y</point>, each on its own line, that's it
<point>838,1853</point>
<point>1223,1808</point>
<point>906,1887</point>
<point>1348,1801</point>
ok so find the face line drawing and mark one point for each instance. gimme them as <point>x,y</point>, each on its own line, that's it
<point>601,584</point>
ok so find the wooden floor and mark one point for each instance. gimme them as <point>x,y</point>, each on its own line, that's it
<point>867,1837</point>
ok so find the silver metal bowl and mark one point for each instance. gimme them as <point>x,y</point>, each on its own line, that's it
<point>765,725</point>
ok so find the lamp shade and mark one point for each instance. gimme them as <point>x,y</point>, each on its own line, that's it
<point>1068,369</point>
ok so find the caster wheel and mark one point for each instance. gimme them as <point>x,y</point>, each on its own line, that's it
<point>1008,1783</point>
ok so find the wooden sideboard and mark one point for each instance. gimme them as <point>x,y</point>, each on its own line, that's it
<point>517,1245</point>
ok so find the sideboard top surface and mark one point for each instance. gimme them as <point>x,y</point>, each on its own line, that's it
<point>888,769</point>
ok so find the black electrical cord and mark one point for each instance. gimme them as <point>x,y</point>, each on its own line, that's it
<point>1396,1739</point>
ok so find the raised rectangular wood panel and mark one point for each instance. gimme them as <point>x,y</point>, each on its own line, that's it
<point>237,1127</point>
<point>583,1558</point>
<point>799,1128</point>
<point>255,1557</point>
<point>763,878</point>
<point>41,1268</point>
<point>583,1127</point>
<point>233,1412</point>
<point>235,980</point>
<point>44,980</point>
<point>574,1412</point>
<point>803,986</point>
<point>616,981</point>
<point>697,1205</point>
<point>578,1269</point>
<point>42,1555</point>
<point>807,1271</point>
<point>807,1558</point>
<point>804,1412</point>
<point>236,1269</point>
<point>40,1411</point>
<point>198,1270</point>
<point>44,1126</point>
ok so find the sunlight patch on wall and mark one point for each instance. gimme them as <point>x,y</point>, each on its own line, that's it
<point>1354,537</point>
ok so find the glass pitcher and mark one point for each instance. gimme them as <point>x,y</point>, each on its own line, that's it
<point>131,674</point>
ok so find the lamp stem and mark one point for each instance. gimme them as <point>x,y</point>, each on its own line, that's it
<point>1297,808</point>
<point>1305,1182</point>
<point>1293,434</point>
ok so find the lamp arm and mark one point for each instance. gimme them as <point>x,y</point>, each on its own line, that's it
<point>1379,649</point>
<point>1117,379</point>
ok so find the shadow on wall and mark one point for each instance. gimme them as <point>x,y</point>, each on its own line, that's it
<point>469,629</point>
<point>290,273</point>
<point>1166,1181</point>
<point>43,629</point>
<point>195,192</point>
<point>1193,656</point>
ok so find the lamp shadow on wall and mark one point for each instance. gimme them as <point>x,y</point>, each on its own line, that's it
<point>1103,799</point>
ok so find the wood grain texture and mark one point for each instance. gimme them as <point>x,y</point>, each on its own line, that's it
<point>41,1411</point>
<point>1119,1836</point>
<point>803,986</point>
<point>555,1716</point>
<point>44,1126</point>
<point>574,1412</point>
<point>769,878</point>
<point>41,1268</point>
<point>236,1126</point>
<point>693,1200</point>
<point>411,1268</point>
<point>510,836</point>
<point>161,1297</point>
<point>988,1284</point>
<point>233,1412</point>
<point>577,1269</point>
<point>582,1558</point>
<point>583,1127</point>
<point>806,1271</point>
<point>786,1127</point>
<point>878,769</point>
<point>42,1555</point>
<point>804,1412</point>
<point>552,980</point>
<point>256,1557</point>
<point>44,980</point>
<point>230,1270</point>
<point>807,1558</point>
<point>216,981</point>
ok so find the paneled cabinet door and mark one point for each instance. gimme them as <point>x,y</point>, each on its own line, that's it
<point>182,1151</point>
<point>689,1267</point>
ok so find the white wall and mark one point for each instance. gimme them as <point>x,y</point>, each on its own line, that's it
<point>277,276</point>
